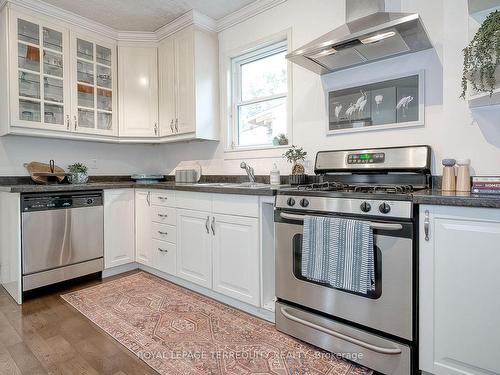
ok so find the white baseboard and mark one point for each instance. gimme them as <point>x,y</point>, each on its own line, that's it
<point>253,310</point>
<point>120,269</point>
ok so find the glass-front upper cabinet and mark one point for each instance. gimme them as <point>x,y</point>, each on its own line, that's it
<point>94,86</point>
<point>40,97</point>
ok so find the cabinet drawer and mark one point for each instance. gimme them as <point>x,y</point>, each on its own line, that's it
<point>164,232</point>
<point>164,256</point>
<point>194,201</point>
<point>163,215</point>
<point>163,198</point>
<point>241,205</point>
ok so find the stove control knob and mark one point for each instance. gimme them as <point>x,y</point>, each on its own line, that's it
<point>384,208</point>
<point>304,202</point>
<point>365,207</point>
<point>290,202</point>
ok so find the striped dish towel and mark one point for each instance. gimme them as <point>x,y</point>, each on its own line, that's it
<point>338,252</point>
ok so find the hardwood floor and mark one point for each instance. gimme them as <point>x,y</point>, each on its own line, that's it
<point>47,336</point>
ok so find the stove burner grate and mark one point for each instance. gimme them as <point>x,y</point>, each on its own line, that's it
<point>370,188</point>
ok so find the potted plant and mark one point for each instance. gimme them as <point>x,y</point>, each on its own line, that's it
<point>294,155</point>
<point>482,57</point>
<point>280,140</point>
<point>79,173</point>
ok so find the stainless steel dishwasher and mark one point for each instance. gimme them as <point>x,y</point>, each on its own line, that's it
<point>62,236</point>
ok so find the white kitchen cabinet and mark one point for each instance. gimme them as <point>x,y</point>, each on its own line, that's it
<point>62,82</point>
<point>39,72</point>
<point>143,225</point>
<point>194,247</point>
<point>119,227</point>
<point>188,76</point>
<point>93,85</point>
<point>236,257</point>
<point>138,95</point>
<point>459,282</point>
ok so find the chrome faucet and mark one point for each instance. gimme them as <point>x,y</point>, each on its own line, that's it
<point>249,170</point>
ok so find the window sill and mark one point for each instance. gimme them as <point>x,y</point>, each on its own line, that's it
<point>255,152</point>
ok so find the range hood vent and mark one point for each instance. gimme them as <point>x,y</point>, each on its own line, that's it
<point>363,40</point>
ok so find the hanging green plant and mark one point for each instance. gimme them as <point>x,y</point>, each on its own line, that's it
<point>482,57</point>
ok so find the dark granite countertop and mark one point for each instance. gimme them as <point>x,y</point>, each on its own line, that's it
<point>438,197</point>
<point>169,185</point>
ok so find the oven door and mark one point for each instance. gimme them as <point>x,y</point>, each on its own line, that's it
<point>388,309</point>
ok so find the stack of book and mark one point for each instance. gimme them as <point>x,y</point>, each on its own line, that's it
<point>485,185</point>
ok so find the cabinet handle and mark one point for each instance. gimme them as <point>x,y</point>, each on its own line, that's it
<point>162,250</point>
<point>76,122</point>
<point>176,125</point>
<point>162,233</point>
<point>172,125</point>
<point>67,122</point>
<point>206,224</point>
<point>426,225</point>
<point>156,128</point>
<point>162,198</point>
<point>148,198</point>
<point>163,216</point>
<point>213,225</point>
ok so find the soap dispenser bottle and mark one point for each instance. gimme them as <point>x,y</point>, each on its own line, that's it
<point>274,175</point>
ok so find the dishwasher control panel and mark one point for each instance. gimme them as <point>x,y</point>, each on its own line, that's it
<point>64,200</point>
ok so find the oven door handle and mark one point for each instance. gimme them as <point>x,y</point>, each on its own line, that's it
<point>352,340</point>
<point>373,225</point>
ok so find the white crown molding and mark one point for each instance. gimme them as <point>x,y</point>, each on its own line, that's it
<point>189,18</point>
<point>247,12</point>
<point>65,16</point>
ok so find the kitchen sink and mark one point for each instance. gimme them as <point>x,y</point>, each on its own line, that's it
<point>245,185</point>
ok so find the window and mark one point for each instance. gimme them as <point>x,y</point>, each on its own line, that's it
<point>259,97</point>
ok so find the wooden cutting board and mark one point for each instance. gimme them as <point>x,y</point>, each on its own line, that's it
<point>43,173</point>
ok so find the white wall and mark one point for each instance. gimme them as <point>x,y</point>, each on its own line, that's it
<point>450,128</point>
<point>111,159</point>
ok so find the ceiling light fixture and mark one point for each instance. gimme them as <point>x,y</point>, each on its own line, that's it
<point>378,37</point>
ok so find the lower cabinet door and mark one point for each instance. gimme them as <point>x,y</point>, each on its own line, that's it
<point>236,257</point>
<point>143,227</point>
<point>459,289</point>
<point>118,227</point>
<point>194,247</point>
<point>163,256</point>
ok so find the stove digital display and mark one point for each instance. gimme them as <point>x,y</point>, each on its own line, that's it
<point>372,158</point>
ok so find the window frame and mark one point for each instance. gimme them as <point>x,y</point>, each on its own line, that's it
<point>277,44</point>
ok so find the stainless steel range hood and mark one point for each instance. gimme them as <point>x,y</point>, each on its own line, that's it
<point>375,36</point>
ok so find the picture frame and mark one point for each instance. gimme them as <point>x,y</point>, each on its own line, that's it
<point>395,102</point>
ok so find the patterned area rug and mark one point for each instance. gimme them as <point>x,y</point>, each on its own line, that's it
<point>179,332</point>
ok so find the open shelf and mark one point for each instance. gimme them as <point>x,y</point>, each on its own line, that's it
<point>478,11</point>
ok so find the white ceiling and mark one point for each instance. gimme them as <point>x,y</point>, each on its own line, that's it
<point>145,15</point>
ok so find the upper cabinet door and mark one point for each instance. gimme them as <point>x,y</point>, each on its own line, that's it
<point>39,74</point>
<point>167,98</point>
<point>93,86</point>
<point>138,97</point>
<point>185,81</point>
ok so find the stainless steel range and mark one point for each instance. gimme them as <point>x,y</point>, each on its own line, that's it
<point>377,329</point>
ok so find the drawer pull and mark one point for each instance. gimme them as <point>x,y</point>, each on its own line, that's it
<point>162,250</point>
<point>162,198</point>
<point>161,215</point>
<point>163,233</point>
